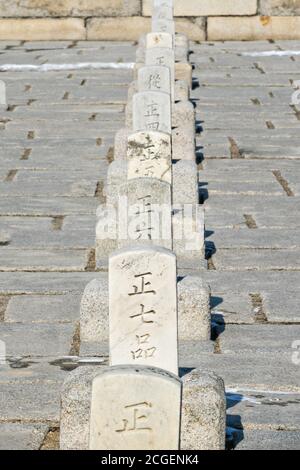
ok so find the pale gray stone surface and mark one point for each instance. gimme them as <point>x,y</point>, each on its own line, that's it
<point>183,113</point>
<point>116,176</point>
<point>151,110</point>
<point>94,314</point>
<point>16,436</point>
<point>183,143</point>
<point>120,143</point>
<point>145,416</point>
<point>75,409</point>
<point>203,411</point>
<point>43,340</point>
<point>43,308</point>
<point>194,321</point>
<point>185,183</point>
<point>267,440</point>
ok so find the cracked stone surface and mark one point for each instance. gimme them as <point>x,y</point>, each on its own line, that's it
<point>56,142</point>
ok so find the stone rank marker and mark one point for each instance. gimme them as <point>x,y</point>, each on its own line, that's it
<point>149,155</point>
<point>135,408</point>
<point>152,112</point>
<point>162,56</point>
<point>143,308</point>
<point>154,78</point>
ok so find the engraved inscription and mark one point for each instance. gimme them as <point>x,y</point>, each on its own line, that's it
<point>138,415</point>
<point>144,286</point>
<point>152,116</point>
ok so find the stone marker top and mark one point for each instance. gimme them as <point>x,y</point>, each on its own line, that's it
<point>159,40</point>
<point>135,408</point>
<point>145,370</point>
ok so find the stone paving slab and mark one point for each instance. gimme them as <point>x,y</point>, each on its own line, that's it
<point>260,338</point>
<point>267,440</point>
<point>15,436</point>
<point>42,340</point>
<point>43,308</point>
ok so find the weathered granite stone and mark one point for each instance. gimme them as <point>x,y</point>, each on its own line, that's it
<point>185,182</point>
<point>183,113</point>
<point>146,415</point>
<point>143,308</point>
<point>76,8</point>
<point>149,155</point>
<point>106,234</point>
<point>194,322</point>
<point>116,176</point>
<point>132,89</point>
<point>182,90</point>
<point>279,7</point>
<point>129,114</point>
<point>75,408</point>
<point>203,413</point>
<point>120,143</point>
<point>188,235</point>
<point>94,315</point>
<point>184,71</point>
<point>183,143</point>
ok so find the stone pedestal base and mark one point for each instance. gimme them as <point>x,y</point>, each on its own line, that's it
<point>203,410</point>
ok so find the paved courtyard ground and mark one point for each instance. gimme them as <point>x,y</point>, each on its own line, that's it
<point>56,141</point>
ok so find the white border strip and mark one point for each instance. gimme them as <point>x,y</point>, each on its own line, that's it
<point>271,53</point>
<point>59,67</point>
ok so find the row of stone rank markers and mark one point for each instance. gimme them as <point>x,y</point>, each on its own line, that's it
<point>145,318</point>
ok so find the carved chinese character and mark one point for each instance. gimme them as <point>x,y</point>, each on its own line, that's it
<point>138,420</point>
<point>145,206</point>
<point>143,351</point>
<point>154,81</point>
<point>144,287</point>
<point>144,314</point>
